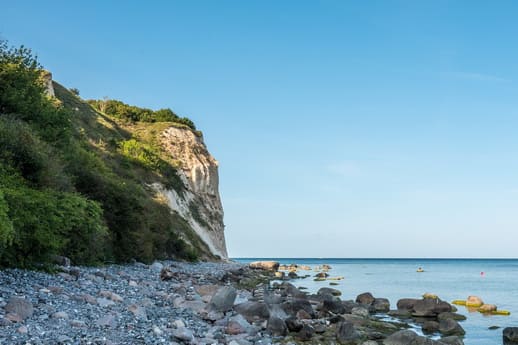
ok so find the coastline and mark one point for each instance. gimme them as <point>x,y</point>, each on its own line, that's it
<point>175,302</point>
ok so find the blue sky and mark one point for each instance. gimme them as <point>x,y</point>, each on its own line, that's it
<point>343,129</point>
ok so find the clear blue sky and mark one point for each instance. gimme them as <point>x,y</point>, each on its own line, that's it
<point>343,129</point>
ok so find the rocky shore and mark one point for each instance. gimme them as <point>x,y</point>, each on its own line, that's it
<point>204,303</point>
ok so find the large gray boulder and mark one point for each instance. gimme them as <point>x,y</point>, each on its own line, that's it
<point>329,291</point>
<point>223,299</point>
<point>253,311</point>
<point>333,305</point>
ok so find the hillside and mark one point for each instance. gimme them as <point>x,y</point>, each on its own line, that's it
<point>96,186</point>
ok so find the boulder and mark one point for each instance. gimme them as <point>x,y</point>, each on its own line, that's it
<point>156,266</point>
<point>407,337</point>
<point>474,301</point>
<point>450,327</point>
<point>430,327</point>
<point>381,305</point>
<point>365,298</point>
<point>166,274</point>
<point>238,325</point>
<point>295,305</point>
<point>349,306</point>
<point>288,289</point>
<point>223,300</point>
<point>333,305</point>
<point>276,326</point>
<point>510,335</point>
<point>452,340</point>
<point>293,324</point>
<point>450,315</point>
<point>20,306</point>
<point>329,291</point>
<point>184,334</point>
<point>360,311</point>
<point>345,332</point>
<point>264,265</point>
<point>430,307</point>
<point>253,311</point>
<point>305,333</point>
<point>406,303</point>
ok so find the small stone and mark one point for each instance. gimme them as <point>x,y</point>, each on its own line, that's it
<point>22,330</point>
<point>5,322</point>
<point>138,311</point>
<point>157,330</point>
<point>104,302</point>
<point>107,321</point>
<point>178,323</point>
<point>60,315</point>
<point>132,283</point>
<point>78,324</point>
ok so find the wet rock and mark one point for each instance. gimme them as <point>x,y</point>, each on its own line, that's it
<point>329,291</point>
<point>450,327</point>
<point>381,305</point>
<point>474,301</point>
<point>452,340</point>
<point>430,307</point>
<point>487,308</point>
<point>333,305</point>
<point>345,332</point>
<point>406,303</point>
<point>510,335</point>
<point>430,326</point>
<point>19,306</point>
<point>450,315</point>
<point>365,298</point>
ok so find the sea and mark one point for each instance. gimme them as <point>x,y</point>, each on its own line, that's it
<point>494,280</point>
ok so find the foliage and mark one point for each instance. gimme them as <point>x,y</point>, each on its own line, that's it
<point>132,113</point>
<point>47,223</point>
<point>63,192</point>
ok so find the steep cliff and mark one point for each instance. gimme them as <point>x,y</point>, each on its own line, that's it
<point>200,203</point>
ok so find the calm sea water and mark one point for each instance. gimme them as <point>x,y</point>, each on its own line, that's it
<point>450,279</point>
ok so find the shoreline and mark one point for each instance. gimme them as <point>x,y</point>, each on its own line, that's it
<point>173,302</point>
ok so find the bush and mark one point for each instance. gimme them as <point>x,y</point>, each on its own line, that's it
<point>46,223</point>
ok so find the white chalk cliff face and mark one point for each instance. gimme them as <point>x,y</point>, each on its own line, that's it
<point>200,203</point>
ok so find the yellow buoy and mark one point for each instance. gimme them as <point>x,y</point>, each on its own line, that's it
<point>459,302</point>
<point>501,312</point>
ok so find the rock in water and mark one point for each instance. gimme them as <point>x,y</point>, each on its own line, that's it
<point>381,305</point>
<point>450,327</point>
<point>224,299</point>
<point>510,335</point>
<point>19,306</point>
<point>265,265</point>
<point>365,298</point>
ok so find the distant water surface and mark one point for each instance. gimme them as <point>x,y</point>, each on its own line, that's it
<point>450,279</point>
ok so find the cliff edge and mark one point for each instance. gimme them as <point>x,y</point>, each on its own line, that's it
<point>200,203</point>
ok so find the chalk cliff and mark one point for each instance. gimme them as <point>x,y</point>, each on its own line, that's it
<point>199,204</point>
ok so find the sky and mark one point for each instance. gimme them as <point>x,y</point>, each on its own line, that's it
<point>343,128</point>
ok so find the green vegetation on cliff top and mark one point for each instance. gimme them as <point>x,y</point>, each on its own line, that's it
<point>74,180</point>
